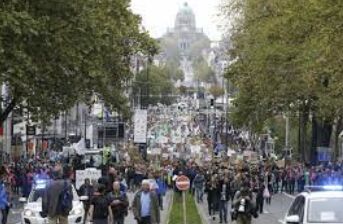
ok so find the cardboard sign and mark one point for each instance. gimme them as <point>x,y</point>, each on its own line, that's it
<point>140,126</point>
<point>91,173</point>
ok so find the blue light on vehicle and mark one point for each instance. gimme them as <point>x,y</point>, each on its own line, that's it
<point>40,184</point>
<point>333,188</point>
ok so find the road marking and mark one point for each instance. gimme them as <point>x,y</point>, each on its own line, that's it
<point>288,195</point>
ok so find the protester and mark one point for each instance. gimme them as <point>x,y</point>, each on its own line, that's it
<point>244,204</point>
<point>100,210</point>
<point>162,188</point>
<point>198,184</point>
<point>87,190</point>
<point>259,196</point>
<point>57,201</point>
<point>145,205</point>
<point>224,189</point>
<point>119,204</point>
<point>5,202</point>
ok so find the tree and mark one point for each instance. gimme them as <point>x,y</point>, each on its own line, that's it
<point>155,82</point>
<point>216,91</point>
<point>203,72</point>
<point>173,70</point>
<point>287,59</point>
<point>55,53</point>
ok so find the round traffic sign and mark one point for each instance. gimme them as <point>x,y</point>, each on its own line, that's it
<point>182,183</point>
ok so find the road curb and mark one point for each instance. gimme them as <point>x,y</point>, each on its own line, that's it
<point>288,195</point>
<point>204,219</point>
<point>170,208</point>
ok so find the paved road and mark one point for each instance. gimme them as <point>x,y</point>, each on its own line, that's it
<point>14,216</point>
<point>273,214</point>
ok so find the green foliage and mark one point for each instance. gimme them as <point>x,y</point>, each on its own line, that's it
<point>154,86</point>
<point>287,57</point>
<point>202,71</point>
<point>216,91</point>
<point>174,72</point>
<point>55,53</point>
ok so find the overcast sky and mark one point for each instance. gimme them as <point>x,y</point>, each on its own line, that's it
<point>158,15</point>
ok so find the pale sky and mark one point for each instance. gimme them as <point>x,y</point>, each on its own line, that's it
<point>158,15</point>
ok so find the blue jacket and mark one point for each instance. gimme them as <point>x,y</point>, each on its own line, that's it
<point>162,188</point>
<point>3,197</point>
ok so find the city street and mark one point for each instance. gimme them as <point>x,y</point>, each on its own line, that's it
<point>100,100</point>
<point>273,214</point>
<point>14,217</point>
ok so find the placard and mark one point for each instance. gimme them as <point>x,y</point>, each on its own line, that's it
<point>140,130</point>
<point>91,173</point>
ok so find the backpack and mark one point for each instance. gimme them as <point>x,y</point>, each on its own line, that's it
<point>250,210</point>
<point>65,204</point>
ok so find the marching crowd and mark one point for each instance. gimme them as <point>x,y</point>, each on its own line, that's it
<point>227,188</point>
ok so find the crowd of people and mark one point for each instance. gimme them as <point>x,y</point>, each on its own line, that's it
<point>106,199</point>
<point>225,185</point>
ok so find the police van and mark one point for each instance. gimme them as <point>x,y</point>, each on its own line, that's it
<point>318,204</point>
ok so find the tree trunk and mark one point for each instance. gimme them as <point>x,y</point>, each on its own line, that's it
<point>9,108</point>
<point>335,141</point>
<point>303,120</point>
<point>314,140</point>
<point>321,135</point>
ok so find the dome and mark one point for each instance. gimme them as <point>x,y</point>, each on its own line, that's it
<point>185,9</point>
<point>185,19</point>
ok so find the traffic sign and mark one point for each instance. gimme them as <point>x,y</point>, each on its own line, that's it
<point>182,183</point>
<point>30,130</point>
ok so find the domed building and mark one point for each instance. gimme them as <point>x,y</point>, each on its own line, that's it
<point>185,39</point>
<point>185,19</point>
<point>184,44</point>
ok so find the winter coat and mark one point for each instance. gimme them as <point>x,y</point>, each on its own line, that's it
<point>162,188</point>
<point>198,181</point>
<point>3,197</point>
<point>154,207</point>
<point>51,197</point>
<point>120,209</point>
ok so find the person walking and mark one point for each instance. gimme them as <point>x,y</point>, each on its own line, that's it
<point>259,196</point>
<point>119,204</point>
<point>57,200</point>
<point>224,190</point>
<point>145,205</point>
<point>87,190</point>
<point>100,209</point>
<point>244,205</point>
<point>4,196</point>
<point>162,189</point>
<point>198,184</point>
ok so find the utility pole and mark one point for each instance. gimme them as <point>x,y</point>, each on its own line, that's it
<point>85,128</point>
<point>77,119</point>
<point>65,127</point>
<point>287,133</point>
<point>147,81</point>
<point>227,107</point>
<point>103,127</point>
